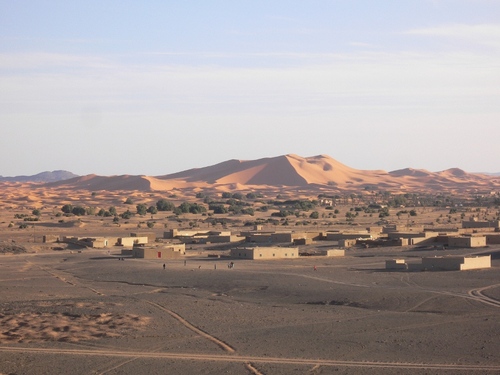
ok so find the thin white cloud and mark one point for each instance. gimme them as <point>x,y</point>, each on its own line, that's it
<point>488,34</point>
<point>45,60</point>
<point>321,84</point>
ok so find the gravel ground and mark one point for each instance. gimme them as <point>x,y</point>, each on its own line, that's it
<point>262,317</point>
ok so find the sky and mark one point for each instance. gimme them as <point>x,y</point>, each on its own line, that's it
<point>157,87</point>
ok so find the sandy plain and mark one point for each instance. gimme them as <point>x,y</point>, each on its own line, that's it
<point>90,313</point>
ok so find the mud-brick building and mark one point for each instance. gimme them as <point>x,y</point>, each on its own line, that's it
<point>170,251</point>
<point>467,241</point>
<point>265,252</point>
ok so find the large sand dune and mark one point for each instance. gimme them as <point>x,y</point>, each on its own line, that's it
<point>320,171</point>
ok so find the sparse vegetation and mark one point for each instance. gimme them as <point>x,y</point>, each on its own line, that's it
<point>127,214</point>
<point>165,205</point>
<point>142,209</point>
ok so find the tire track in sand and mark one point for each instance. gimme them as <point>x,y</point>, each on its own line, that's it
<point>65,279</point>
<point>252,369</point>
<point>250,359</point>
<point>477,294</point>
<point>224,346</point>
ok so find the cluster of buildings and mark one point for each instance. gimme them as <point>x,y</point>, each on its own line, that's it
<point>259,244</point>
<point>103,242</point>
<point>474,233</point>
<point>201,236</point>
<point>137,245</point>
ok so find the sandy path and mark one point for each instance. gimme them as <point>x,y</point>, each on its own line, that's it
<point>123,363</point>
<point>193,328</point>
<point>251,359</point>
<point>65,279</point>
<point>477,294</point>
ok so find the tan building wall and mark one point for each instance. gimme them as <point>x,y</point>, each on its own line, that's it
<point>282,237</point>
<point>315,236</point>
<point>96,242</point>
<point>99,243</point>
<point>403,241</point>
<point>328,202</point>
<point>456,263</point>
<point>302,241</point>
<point>333,253</point>
<point>347,242</point>
<point>442,263</point>
<point>174,233</point>
<point>395,264</point>
<point>412,234</point>
<point>49,238</point>
<point>480,224</point>
<point>259,238</point>
<point>466,241</point>
<point>160,252</point>
<point>263,253</point>
<point>471,263</point>
<point>402,228</point>
<point>150,235</point>
<point>493,239</point>
<point>337,236</point>
<point>374,230</point>
<point>223,239</point>
<point>131,241</point>
<point>414,238</point>
<point>383,242</point>
<point>201,239</point>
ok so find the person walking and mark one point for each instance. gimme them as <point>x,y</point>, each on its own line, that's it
<point>163,265</point>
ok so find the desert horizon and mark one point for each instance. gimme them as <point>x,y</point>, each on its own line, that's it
<point>315,173</point>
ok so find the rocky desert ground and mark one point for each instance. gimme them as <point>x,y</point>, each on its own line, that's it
<point>89,313</point>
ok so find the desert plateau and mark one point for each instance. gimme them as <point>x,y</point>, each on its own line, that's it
<point>76,297</point>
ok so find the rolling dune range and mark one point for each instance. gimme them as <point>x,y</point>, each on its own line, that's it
<point>315,173</point>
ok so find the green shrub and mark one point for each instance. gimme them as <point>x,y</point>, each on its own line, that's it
<point>164,205</point>
<point>142,209</point>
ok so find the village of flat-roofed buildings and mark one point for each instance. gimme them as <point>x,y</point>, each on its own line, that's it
<point>260,244</point>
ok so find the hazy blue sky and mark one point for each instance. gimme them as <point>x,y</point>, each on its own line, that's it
<point>155,87</point>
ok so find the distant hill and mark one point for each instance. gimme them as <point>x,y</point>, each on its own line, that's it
<point>319,172</point>
<point>41,177</point>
